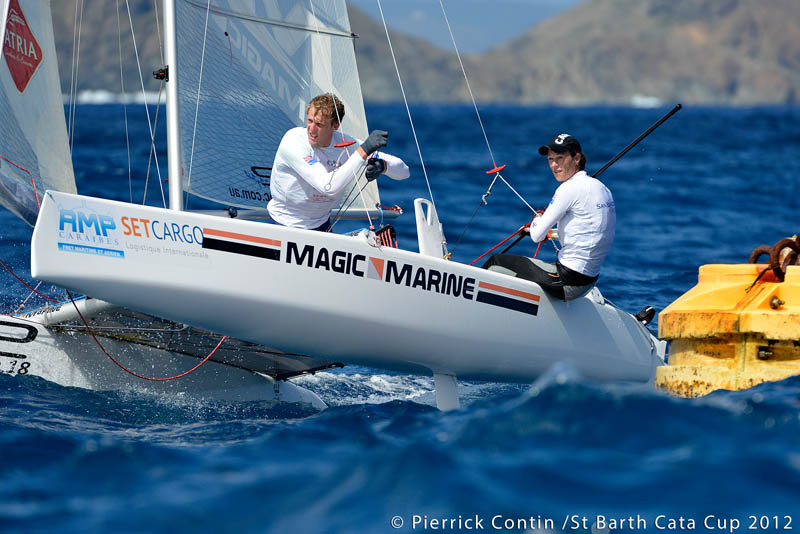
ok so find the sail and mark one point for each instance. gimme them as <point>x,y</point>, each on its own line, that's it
<point>245,78</point>
<point>3,14</point>
<point>34,152</point>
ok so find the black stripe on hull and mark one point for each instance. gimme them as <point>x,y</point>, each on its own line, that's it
<point>241,248</point>
<point>508,303</point>
<point>13,355</point>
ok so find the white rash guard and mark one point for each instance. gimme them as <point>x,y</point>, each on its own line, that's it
<point>307,182</point>
<point>584,210</point>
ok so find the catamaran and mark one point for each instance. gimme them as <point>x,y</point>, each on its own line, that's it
<point>240,73</point>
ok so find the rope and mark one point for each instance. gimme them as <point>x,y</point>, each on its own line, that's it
<point>124,104</point>
<point>158,32</point>
<point>21,281</point>
<point>344,207</point>
<point>152,144</point>
<point>137,375</point>
<point>29,173</point>
<point>197,100</point>
<point>463,71</point>
<point>339,120</point>
<point>26,299</point>
<point>537,249</point>
<point>408,110</point>
<point>76,53</point>
<point>144,97</point>
<point>496,169</point>
<point>496,246</point>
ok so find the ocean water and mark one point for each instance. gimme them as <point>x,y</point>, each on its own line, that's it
<point>559,455</point>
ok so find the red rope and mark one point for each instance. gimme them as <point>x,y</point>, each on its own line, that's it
<point>128,370</point>
<point>391,208</point>
<point>21,281</point>
<point>500,243</point>
<point>15,165</point>
<point>538,247</point>
<point>35,193</point>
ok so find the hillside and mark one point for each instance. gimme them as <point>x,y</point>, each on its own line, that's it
<point>98,60</point>
<point>698,51</point>
<point>729,52</point>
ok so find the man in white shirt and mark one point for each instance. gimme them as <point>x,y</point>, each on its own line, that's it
<point>583,208</point>
<point>315,164</point>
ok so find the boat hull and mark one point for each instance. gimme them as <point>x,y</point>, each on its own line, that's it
<point>72,358</point>
<point>342,298</point>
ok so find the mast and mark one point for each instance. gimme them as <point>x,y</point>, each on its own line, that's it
<point>173,133</point>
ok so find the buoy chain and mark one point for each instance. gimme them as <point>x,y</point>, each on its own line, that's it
<point>782,254</point>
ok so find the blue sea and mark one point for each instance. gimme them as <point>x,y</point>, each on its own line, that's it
<point>560,455</point>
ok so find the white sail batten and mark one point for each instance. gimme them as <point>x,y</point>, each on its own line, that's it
<point>262,63</point>
<point>34,148</point>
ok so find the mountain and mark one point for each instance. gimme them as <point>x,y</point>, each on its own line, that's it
<point>98,57</point>
<point>726,52</point>
<point>738,52</point>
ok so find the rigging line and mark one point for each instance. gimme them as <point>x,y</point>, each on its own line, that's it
<point>144,96</point>
<point>21,281</point>
<point>122,330</point>
<point>474,213</point>
<point>348,201</point>
<point>483,129</point>
<point>152,144</point>
<point>483,201</point>
<point>72,70</point>
<point>469,88</point>
<point>124,104</point>
<point>89,329</point>
<point>76,54</point>
<point>33,291</point>
<point>197,100</point>
<point>343,208</point>
<point>339,120</point>
<point>158,32</point>
<point>408,110</point>
<point>356,177</point>
<point>515,192</point>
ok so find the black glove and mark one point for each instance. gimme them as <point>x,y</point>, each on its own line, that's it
<point>377,139</point>
<point>375,167</point>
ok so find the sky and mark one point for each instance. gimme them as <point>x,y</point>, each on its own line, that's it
<point>477,25</point>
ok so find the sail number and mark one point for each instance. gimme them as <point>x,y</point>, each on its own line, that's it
<point>10,362</point>
<point>246,194</point>
<point>14,367</point>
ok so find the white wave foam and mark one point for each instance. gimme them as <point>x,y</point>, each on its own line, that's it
<point>341,388</point>
<point>101,97</point>
<point>338,389</point>
<point>644,101</point>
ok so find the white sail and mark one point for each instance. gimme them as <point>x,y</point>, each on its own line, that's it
<point>34,152</point>
<point>3,14</point>
<point>255,66</point>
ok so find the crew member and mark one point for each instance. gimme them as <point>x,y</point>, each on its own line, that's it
<point>583,210</point>
<point>314,165</point>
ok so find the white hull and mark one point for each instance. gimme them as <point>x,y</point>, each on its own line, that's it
<point>70,358</point>
<point>330,296</point>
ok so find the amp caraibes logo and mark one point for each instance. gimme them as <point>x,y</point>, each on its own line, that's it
<point>85,230</point>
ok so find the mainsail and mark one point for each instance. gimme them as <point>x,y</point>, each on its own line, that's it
<point>246,71</point>
<point>34,152</point>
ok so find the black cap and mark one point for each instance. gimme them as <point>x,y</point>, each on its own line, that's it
<point>561,143</point>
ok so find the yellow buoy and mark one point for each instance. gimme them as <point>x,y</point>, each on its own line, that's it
<point>728,332</point>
